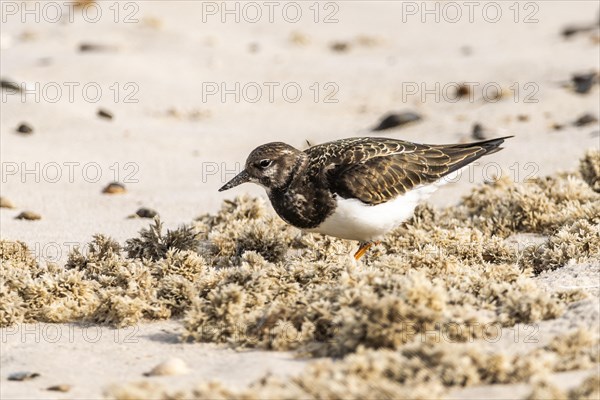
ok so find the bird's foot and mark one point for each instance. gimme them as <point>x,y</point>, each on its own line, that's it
<point>362,249</point>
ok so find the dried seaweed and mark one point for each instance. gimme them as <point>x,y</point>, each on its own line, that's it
<point>244,277</point>
<point>101,286</point>
<point>153,245</point>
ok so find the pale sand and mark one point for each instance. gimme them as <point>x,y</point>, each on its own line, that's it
<point>169,63</point>
<point>90,357</point>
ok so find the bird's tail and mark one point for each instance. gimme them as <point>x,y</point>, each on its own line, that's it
<point>465,153</point>
<point>490,146</point>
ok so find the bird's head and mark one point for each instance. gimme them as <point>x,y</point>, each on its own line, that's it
<point>271,165</point>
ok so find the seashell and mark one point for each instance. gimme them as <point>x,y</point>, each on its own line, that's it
<point>29,215</point>
<point>173,366</point>
<point>114,188</point>
<point>6,203</point>
<point>60,388</point>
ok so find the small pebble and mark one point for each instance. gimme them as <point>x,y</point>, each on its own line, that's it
<point>23,376</point>
<point>173,112</point>
<point>299,38</point>
<point>253,47</point>
<point>368,41</point>
<point>114,188</point>
<point>105,113</point>
<point>25,129</point>
<point>29,215</point>
<point>173,366</point>
<point>572,30</point>
<point>340,47</point>
<point>478,133</point>
<point>152,22</point>
<point>583,82</point>
<point>393,120</point>
<point>6,84</point>
<point>144,213</point>
<point>522,118</point>
<point>6,203</point>
<point>29,35</point>
<point>462,90</point>
<point>59,388</point>
<point>585,119</point>
<point>83,3</point>
<point>193,114</point>
<point>90,47</point>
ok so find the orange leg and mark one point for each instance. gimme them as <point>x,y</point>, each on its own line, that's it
<point>362,250</point>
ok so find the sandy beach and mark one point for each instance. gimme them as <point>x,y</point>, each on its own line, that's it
<point>192,88</point>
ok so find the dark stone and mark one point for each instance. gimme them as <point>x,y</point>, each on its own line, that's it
<point>23,376</point>
<point>146,213</point>
<point>102,113</point>
<point>478,133</point>
<point>6,84</point>
<point>584,82</point>
<point>394,120</point>
<point>25,128</point>
<point>585,119</point>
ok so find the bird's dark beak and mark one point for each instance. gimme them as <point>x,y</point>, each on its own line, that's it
<point>240,178</point>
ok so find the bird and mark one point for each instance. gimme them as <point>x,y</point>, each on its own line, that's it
<point>357,188</point>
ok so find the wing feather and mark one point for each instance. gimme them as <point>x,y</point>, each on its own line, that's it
<point>375,170</point>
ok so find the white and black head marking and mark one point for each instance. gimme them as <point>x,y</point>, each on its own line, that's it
<point>271,165</point>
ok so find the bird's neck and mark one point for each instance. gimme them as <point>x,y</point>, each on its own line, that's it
<point>295,174</point>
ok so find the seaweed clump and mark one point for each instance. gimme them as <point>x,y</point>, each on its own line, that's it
<point>243,277</point>
<point>540,205</point>
<point>576,242</point>
<point>102,286</point>
<point>153,245</point>
<point>31,292</point>
<point>241,226</point>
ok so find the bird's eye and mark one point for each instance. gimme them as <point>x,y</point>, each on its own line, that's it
<point>264,163</point>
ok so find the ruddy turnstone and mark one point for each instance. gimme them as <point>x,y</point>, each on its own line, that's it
<point>358,188</point>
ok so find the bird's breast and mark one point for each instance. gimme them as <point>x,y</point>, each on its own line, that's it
<point>304,207</point>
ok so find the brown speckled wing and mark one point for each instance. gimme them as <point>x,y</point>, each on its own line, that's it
<point>375,170</point>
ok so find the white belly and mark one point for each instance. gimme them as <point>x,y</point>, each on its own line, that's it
<point>355,220</point>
